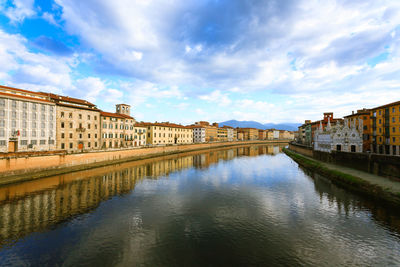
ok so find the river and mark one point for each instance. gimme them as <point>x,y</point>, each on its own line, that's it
<point>240,206</point>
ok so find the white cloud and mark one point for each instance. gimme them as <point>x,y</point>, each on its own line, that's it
<point>19,10</point>
<point>217,97</point>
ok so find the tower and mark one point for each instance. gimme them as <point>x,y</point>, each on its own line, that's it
<point>123,109</point>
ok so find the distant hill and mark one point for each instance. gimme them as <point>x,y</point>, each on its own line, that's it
<point>254,124</point>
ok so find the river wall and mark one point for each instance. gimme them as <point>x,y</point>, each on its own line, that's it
<point>383,165</point>
<point>18,168</point>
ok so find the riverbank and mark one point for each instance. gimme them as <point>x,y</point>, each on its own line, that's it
<point>368,184</point>
<point>20,169</point>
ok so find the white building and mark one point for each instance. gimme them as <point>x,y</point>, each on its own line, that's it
<point>276,134</point>
<point>230,134</point>
<point>27,121</point>
<point>199,134</point>
<point>339,137</point>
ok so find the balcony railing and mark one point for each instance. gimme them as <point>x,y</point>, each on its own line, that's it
<point>81,129</point>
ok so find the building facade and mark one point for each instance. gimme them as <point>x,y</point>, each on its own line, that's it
<point>340,137</point>
<point>117,129</point>
<point>222,134</point>
<point>166,133</point>
<point>231,133</point>
<point>140,135</point>
<point>199,134</point>
<point>78,124</point>
<point>365,116</point>
<point>27,121</point>
<point>249,133</point>
<point>385,136</point>
<point>211,130</point>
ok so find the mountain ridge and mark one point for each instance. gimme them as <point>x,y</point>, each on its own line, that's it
<point>254,124</point>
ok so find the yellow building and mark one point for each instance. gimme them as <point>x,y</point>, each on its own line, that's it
<point>140,136</point>
<point>168,133</point>
<point>385,138</point>
<point>248,133</point>
<point>222,134</point>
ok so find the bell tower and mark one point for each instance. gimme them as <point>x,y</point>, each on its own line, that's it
<point>123,109</point>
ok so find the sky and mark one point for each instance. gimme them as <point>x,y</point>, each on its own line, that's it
<point>272,61</point>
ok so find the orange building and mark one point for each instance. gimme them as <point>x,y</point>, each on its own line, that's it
<point>248,133</point>
<point>365,116</point>
<point>385,137</point>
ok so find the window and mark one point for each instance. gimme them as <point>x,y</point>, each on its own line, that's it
<point>80,116</point>
<point>394,139</point>
<point>2,113</point>
<point>34,116</point>
<point>13,124</point>
<point>33,106</point>
<point>380,121</point>
<point>88,125</point>
<point>43,133</point>
<point>33,133</point>
<point>34,125</point>
<point>62,135</point>
<point>70,115</point>
<point>62,114</point>
<point>51,117</point>
<point>71,145</point>
<point>393,129</point>
<point>70,135</point>
<point>42,125</point>
<point>95,126</point>
<point>104,125</point>
<point>62,124</point>
<point>51,142</point>
<point>2,142</point>
<point>2,133</point>
<point>88,144</point>
<point>24,142</point>
<point>393,119</point>
<point>24,115</point>
<point>25,105</point>
<point>14,114</point>
<point>24,133</point>
<point>95,144</point>
<point>33,142</point>
<point>95,117</point>
<point>393,110</point>
<point>88,135</point>
<point>51,108</point>
<point>71,125</point>
<point>43,117</point>
<point>80,136</point>
<point>42,142</point>
<point>62,146</point>
<point>2,102</point>
<point>2,123</point>
<point>43,108</point>
<point>14,104</point>
<point>88,117</point>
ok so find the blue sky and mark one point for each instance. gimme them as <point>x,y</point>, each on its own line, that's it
<point>185,60</point>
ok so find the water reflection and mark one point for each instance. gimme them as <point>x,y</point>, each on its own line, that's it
<point>36,205</point>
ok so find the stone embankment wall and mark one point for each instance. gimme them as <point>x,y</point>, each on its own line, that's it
<point>21,168</point>
<point>382,165</point>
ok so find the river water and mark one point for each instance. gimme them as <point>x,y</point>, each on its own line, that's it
<point>239,206</point>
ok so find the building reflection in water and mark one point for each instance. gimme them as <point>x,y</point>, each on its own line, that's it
<point>37,205</point>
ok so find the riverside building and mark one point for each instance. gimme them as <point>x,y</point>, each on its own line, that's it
<point>199,134</point>
<point>78,123</point>
<point>27,121</point>
<point>117,129</point>
<point>385,134</point>
<point>166,133</point>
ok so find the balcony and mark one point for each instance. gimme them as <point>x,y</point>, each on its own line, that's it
<point>81,129</point>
